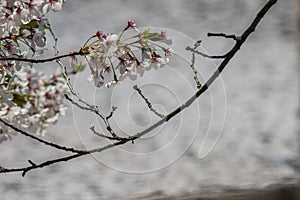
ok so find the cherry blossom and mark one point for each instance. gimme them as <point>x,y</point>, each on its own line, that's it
<point>33,101</point>
<point>110,43</point>
<point>55,5</point>
<point>130,57</point>
<point>166,38</point>
<point>28,99</point>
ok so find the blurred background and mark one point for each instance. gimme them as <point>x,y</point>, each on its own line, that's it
<point>241,134</point>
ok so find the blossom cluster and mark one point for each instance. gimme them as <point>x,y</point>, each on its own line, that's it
<point>28,99</point>
<point>113,58</point>
<point>22,26</point>
<point>15,13</point>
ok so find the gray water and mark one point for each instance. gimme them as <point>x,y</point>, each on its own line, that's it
<point>250,113</point>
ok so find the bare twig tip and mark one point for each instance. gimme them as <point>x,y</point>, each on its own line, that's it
<point>32,163</point>
<point>24,173</point>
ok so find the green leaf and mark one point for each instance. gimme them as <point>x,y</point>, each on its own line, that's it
<point>19,100</point>
<point>152,36</point>
<point>147,34</point>
<point>156,38</point>
<point>32,23</point>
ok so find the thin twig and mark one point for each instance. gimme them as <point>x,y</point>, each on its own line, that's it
<point>196,45</point>
<point>32,163</point>
<point>229,56</point>
<point>65,73</point>
<point>232,36</point>
<point>77,104</point>
<point>94,109</point>
<point>113,109</point>
<point>55,40</point>
<point>89,107</point>
<point>75,53</point>
<point>135,87</point>
<point>105,136</point>
<point>39,139</point>
<point>166,118</point>
<point>24,170</point>
<point>205,55</point>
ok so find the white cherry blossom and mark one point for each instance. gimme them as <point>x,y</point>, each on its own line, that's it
<point>55,5</point>
<point>126,57</point>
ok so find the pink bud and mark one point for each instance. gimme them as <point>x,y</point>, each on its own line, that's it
<point>131,24</point>
<point>99,34</point>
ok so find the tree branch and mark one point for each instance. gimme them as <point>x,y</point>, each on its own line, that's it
<point>196,45</point>
<point>94,109</point>
<point>205,55</point>
<point>75,53</point>
<point>105,136</point>
<point>135,87</point>
<point>39,139</point>
<point>166,118</point>
<point>232,36</point>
